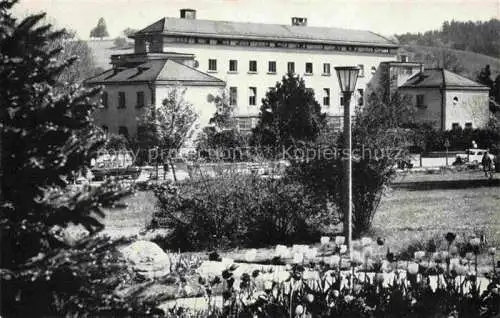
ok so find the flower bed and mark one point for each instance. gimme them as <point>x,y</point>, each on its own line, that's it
<point>443,283</point>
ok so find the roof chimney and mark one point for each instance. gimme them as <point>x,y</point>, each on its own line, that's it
<point>299,21</point>
<point>188,14</point>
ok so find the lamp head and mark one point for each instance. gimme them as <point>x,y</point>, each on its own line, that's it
<point>347,75</point>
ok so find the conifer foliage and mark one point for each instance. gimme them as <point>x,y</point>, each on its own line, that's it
<point>47,134</point>
<point>289,115</point>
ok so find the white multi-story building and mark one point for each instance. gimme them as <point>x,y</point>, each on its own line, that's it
<point>249,58</point>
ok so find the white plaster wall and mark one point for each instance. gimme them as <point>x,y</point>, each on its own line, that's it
<point>472,107</point>
<point>430,114</point>
<point>262,80</point>
<point>114,117</point>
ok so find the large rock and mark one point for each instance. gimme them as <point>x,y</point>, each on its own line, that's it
<point>147,259</point>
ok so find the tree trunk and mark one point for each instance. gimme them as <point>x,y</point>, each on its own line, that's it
<point>173,170</point>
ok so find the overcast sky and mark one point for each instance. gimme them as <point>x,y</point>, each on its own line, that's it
<point>386,17</point>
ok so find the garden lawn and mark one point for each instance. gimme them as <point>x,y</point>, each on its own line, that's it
<point>131,215</point>
<point>408,217</point>
<point>405,218</point>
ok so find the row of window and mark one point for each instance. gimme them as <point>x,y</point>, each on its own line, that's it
<point>233,97</point>
<point>279,44</point>
<point>246,124</point>
<point>122,103</point>
<point>252,96</point>
<point>272,69</point>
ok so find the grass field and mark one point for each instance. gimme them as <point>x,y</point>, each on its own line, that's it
<point>132,218</point>
<point>405,217</point>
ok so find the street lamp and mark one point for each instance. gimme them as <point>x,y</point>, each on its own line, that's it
<point>347,76</point>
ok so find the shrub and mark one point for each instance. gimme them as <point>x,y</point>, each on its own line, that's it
<point>226,145</point>
<point>120,42</point>
<point>236,210</point>
<point>460,139</point>
<point>323,179</point>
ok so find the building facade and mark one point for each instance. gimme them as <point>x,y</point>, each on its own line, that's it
<point>138,81</point>
<point>251,57</point>
<point>447,100</point>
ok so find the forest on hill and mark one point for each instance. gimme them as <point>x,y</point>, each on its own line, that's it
<point>480,37</point>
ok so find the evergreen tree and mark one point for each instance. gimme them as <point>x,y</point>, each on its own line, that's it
<point>100,31</point>
<point>47,135</point>
<point>289,115</point>
<point>484,77</point>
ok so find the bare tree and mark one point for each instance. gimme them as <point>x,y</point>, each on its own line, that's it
<point>168,126</point>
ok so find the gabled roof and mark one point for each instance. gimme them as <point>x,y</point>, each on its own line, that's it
<point>159,71</point>
<point>262,31</point>
<point>441,78</point>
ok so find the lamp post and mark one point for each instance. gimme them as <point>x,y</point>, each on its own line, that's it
<point>347,76</point>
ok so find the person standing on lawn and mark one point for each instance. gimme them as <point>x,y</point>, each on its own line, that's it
<point>486,162</point>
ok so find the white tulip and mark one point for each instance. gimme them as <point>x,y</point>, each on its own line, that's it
<point>356,258</point>
<point>298,258</point>
<point>367,251</point>
<point>343,249</point>
<point>339,240</point>
<point>475,241</point>
<point>365,241</point>
<point>324,240</point>
<point>419,255</point>
<point>311,253</point>
<point>412,268</point>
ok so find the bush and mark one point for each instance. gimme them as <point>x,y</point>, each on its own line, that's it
<point>120,43</point>
<point>237,210</point>
<point>226,145</point>
<point>323,179</point>
<point>460,139</point>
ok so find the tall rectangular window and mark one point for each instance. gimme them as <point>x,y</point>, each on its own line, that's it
<point>252,96</point>
<point>233,95</point>
<point>121,100</point>
<point>140,99</point>
<point>105,99</point>
<point>309,68</point>
<point>252,66</point>
<point>233,66</point>
<point>290,67</point>
<point>361,70</point>
<point>212,65</point>
<point>420,100</point>
<point>272,67</point>
<point>326,97</point>
<point>326,68</point>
